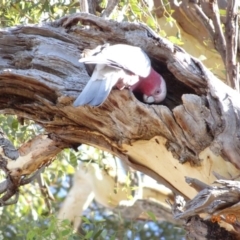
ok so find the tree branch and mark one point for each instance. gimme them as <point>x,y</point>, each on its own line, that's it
<point>232,43</point>
<point>110,7</point>
<point>33,155</point>
<point>205,21</point>
<point>194,132</point>
<point>198,228</point>
<point>181,122</point>
<point>216,31</point>
<point>219,38</point>
<point>84,6</point>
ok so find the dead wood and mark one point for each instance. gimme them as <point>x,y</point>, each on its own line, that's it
<point>197,228</point>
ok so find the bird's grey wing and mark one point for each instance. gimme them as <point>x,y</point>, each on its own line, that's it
<point>101,94</point>
<point>91,93</point>
<point>98,87</point>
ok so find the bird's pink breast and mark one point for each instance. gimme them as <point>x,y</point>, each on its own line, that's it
<point>149,84</point>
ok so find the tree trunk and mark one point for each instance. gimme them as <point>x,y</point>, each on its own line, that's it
<point>194,133</point>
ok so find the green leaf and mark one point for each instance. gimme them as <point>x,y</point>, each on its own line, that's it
<point>98,233</point>
<point>104,233</point>
<point>175,40</point>
<point>86,220</point>
<point>152,216</point>
<point>66,232</point>
<point>65,222</point>
<point>88,235</point>
<point>222,12</point>
<point>15,124</point>
<point>31,235</point>
<point>112,237</point>
<point>151,23</point>
<point>73,159</point>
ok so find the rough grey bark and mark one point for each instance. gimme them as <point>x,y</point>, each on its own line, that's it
<point>40,76</point>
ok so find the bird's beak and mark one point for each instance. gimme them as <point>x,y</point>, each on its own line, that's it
<point>148,99</point>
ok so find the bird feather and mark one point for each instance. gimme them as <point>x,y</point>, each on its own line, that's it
<point>98,87</point>
<point>126,57</point>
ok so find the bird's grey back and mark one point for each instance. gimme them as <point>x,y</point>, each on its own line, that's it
<point>127,57</point>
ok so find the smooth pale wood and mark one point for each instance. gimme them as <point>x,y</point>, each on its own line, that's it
<point>160,160</point>
<point>33,155</point>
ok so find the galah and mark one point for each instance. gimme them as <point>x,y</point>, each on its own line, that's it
<point>121,66</point>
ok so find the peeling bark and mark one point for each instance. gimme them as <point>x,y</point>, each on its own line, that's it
<point>205,230</point>
<point>25,165</point>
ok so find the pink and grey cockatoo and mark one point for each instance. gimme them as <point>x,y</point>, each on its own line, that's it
<point>121,66</point>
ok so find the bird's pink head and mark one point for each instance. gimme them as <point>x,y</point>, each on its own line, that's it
<point>153,87</point>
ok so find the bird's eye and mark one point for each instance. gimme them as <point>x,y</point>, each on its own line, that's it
<point>158,91</point>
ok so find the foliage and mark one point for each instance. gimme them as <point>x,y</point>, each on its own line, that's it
<point>33,11</point>
<point>127,229</point>
<point>99,223</point>
<point>28,12</point>
<point>140,11</point>
<point>15,218</point>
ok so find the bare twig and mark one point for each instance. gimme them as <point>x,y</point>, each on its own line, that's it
<point>201,16</point>
<point>196,184</point>
<point>10,202</point>
<point>84,6</point>
<point>11,190</point>
<point>45,190</point>
<point>227,47</point>
<point>25,180</point>
<point>141,206</point>
<point>219,36</point>
<point>88,6</point>
<point>11,187</point>
<point>8,149</point>
<point>110,7</point>
<point>3,186</point>
<point>159,8</point>
<point>219,39</point>
<point>231,42</point>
